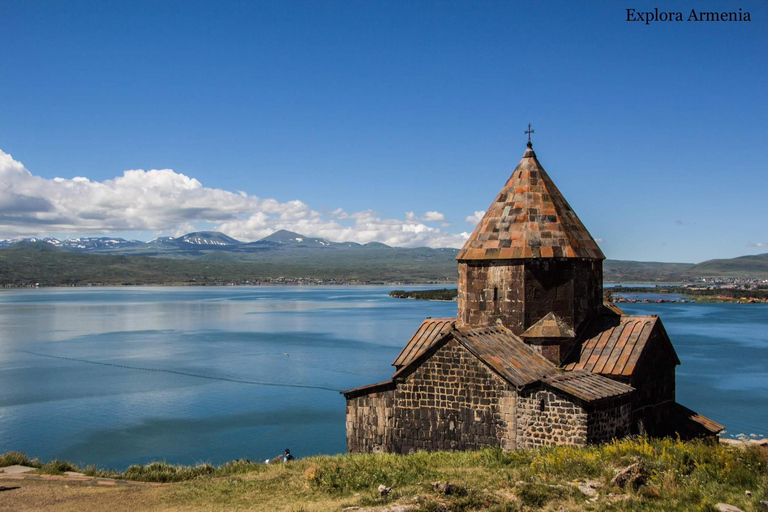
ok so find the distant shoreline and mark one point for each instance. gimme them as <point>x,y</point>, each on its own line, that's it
<point>687,295</point>
<point>218,285</point>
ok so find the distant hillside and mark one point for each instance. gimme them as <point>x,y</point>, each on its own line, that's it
<point>743,266</point>
<point>33,247</point>
<point>620,271</point>
<point>285,253</point>
<point>26,265</point>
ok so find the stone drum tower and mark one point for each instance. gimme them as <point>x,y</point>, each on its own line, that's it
<point>530,256</point>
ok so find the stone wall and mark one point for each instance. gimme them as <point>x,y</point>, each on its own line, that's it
<point>609,419</point>
<point>546,417</point>
<point>521,292</point>
<point>453,402</point>
<point>370,421</point>
<point>491,291</point>
<point>570,288</point>
<point>549,417</point>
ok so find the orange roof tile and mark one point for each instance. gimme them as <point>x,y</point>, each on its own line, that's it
<point>530,218</point>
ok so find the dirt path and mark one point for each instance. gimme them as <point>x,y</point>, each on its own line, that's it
<point>74,493</point>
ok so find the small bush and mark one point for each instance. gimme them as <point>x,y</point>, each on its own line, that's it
<point>237,467</point>
<point>17,459</point>
<point>164,472</point>
<point>57,467</point>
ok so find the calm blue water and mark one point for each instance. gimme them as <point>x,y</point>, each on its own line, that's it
<point>115,376</point>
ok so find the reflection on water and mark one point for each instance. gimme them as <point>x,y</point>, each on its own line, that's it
<point>115,376</point>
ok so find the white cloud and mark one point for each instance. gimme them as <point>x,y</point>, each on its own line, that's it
<point>427,217</point>
<point>475,218</point>
<point>758,244</point>
<point>599,240</point>
<point>434,217</point>
<point>164,201</point>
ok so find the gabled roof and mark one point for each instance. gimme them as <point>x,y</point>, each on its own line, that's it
<point>430,331</point>
<point>689,424</point>
<point>496,346</point>
<point>369,389</point>
<point>530,218</point>
<point>503,352</point>
<point>506,354</point>
<point>612,345</point>
<point>550,326</point>
<point>587,386</point>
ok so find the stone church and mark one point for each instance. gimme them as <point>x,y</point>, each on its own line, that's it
<point>535,356</point>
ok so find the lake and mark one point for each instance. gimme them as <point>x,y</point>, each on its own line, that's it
<point>116,376</point>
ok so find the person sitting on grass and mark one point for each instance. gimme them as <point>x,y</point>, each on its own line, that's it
<point>287,456</point>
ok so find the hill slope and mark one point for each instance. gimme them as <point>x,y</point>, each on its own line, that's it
<point>668,475</point>
<point>24,266</point>
<point>743,266</point>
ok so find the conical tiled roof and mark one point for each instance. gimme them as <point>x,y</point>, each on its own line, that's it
<point>530,218</point>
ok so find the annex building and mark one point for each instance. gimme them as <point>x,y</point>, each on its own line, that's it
<point>534,356</point>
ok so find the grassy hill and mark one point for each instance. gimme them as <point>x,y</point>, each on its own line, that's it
<point>743,266</point>
<point>29,263</point>
<point>620,271</point>
<point>672,476</point>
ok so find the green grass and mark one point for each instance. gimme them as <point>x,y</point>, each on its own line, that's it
<point>18,459</point>
<point>682,476</point>
<point>57,467</point>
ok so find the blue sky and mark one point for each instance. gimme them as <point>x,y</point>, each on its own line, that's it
<point>389,121</point>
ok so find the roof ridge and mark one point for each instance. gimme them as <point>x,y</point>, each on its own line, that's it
<point>568,375</point>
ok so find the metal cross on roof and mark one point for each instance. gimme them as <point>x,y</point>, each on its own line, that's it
<point>529,132</point>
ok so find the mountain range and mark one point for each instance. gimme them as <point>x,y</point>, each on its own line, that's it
<point>194,243</point>
<point>214,257</point>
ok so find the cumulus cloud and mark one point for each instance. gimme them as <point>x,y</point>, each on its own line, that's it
<point>434,217</point>
<point>165,201</point>
<point>427,217</point>
<point>758,244</point>
<point>475,218</point>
